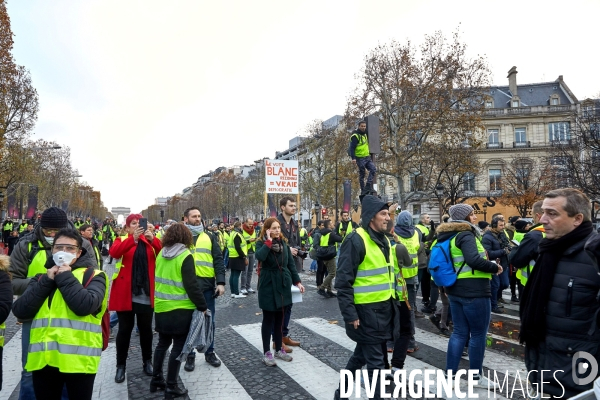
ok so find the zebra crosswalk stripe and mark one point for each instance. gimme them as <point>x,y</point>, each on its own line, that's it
<point>105,386</point>
<point>11,366</point>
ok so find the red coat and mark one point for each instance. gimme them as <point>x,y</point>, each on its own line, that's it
<point>121,293</point>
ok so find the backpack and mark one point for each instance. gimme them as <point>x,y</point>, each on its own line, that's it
<point>89,273</point>
<point>325,253</point>
<point>441,266</point>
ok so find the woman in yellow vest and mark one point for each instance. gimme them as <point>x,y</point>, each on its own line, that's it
<point>177,293</point>
<point>66,333</point>
<point>470,295</point>
<point>6,299</point>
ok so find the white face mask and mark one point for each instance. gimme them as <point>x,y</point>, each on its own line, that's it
<point>49,239</point>
<point>63,258</point>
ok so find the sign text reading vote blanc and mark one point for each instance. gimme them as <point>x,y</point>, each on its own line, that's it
<point>281,176</point>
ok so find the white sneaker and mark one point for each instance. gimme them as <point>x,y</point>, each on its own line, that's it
<point>243,291</point>
<point>483,382</point>
<point>251,291</point>
<point>239,296</point>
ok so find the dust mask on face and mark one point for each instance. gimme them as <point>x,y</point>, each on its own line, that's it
<point>49,239</point>
<point>63,258</point>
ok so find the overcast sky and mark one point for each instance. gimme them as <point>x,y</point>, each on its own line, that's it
<point>152,94</point>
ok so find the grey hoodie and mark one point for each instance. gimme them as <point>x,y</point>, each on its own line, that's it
<point>173,251</point>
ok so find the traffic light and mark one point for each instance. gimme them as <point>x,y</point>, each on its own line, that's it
<point>162,213</point>
<point>323,211</point>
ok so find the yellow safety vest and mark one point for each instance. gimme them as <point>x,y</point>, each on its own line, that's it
<point>524,273</point>
<point>8,227</point>
<point>400,283</point>
<point>2,332</point>
<point>64,340</point>
<point>203,256</point>
<point>119,262</point>
<point>412,245</point>
<point>22,227</point>
<point>169,293</point>
<point>251,246</point>
<point>230,245</point>
<point>375,280</point>
<point>362,149</point>
<point>518,236</point>
<point>303,236</point>
<point>38,264</point>
<point>424,230</point>
<point>458,260</point>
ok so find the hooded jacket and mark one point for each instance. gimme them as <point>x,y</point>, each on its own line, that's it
<point>20,258</point>
<point>405,228</point>
<point>82,301</point>
<point>177,322</point>
<point>465,241</point>
<point>376,319</point>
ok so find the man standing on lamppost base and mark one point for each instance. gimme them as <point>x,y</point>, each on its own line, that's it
<point>359,152</point>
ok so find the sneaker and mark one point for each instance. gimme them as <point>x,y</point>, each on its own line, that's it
<point>412,349</point>
<point>268,359</point>
<point>497,310</point>
<point>238,296</point>
<point>484,382</point>
<point>250,291</point>
<point>212,359</point>
<point>465,352</point>
<point>282,355</point>
<point>243,291</point>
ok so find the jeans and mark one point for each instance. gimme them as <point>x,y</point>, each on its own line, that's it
<point>210,303</point>
<point>497,285</point>
<point>226,257</point>
<point>234,280</point>
<point>313,266</point>
<point>412,299</point>
<point>471,318</point>
<point>144,314</point>
<point>247,273</point>
<point>365,163</point>
<point>330,265</point>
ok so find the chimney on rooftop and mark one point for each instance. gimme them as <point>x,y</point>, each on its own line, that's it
<point>512,81</point>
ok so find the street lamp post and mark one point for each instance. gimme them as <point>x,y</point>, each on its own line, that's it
<point>439,192</point>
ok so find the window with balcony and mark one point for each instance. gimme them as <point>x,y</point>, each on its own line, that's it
<point>521,136</point>
<point>559,132</point>
<point>495,176</point>
<point>469,182</point>
<point>493,138</point>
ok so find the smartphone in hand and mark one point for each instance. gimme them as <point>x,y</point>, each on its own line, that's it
<point>144,223</point>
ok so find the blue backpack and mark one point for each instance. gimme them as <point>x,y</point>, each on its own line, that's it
<point>441,266</point>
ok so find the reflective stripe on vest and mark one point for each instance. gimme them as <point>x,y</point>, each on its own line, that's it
<point>2,331</point>
<point>64,340</point>
<point>231,246</point>
<point>203,256</point>
<point>169,292</point>
<point>400,283</point>
<point>459,259</point>
<point>251,246</point>
<point>362,149</point>
<point>412,245</point>
<point>375,278</point>
<point>38,264</point>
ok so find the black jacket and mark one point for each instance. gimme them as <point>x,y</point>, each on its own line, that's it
<point>177,322</point>
<point>527,250</point>
<point>465,241</point>
<point>492,244</point>
<point>571,319</point>
<point>376,319</point>
<point>6,293</point>
<point>82,301</point>
<point>290,231</point>
<point>333,238</point>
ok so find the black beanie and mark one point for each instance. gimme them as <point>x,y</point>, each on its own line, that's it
<point>54,217</point>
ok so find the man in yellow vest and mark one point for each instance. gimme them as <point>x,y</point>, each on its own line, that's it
<point>7,228</point>
<point>87,232</point>
<point>411,238</point>
<point>523,256</point>
<point>361,156</point>
<point>365,286</point>
<point>210,273</point>
<point>250,235</point>
<point>27,260</point>
<point>23,226</point>
<point>346,225</point>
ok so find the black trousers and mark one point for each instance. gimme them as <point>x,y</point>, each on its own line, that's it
<point>321,269</point>
<point>48,384</point>
<point>424,279</point>
<point>144,314</point>
<point>164,341</point>
<point>370,355</point>
<point>272,323</point>
<point>402,342</point>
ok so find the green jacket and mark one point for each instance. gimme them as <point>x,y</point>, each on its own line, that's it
<point>275,284</point>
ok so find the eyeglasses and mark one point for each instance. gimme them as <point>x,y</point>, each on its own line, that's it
<point>69,248</point>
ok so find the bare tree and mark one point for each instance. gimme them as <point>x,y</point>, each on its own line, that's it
<point>525,181</point>
<point>418,95</point>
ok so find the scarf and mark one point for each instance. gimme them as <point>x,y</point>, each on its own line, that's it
<point>249,231</point>
<point>537,291</point>
<point>196,229</point>
<point>276,245</point>
<point>474,228</point>
<point>139,273</point>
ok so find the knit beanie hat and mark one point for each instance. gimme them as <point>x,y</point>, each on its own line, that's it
<point>521,224</point>
<point>482,224</point>
<point>459,212</point>
<point>54,217</point>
